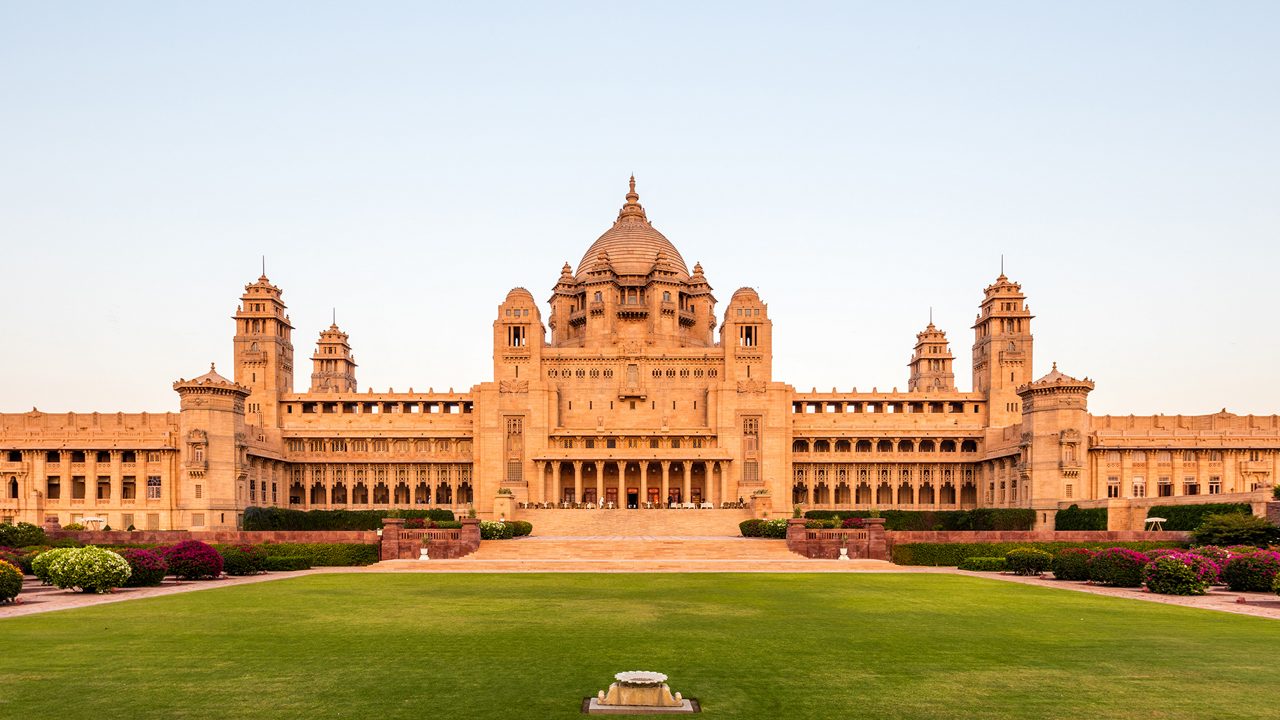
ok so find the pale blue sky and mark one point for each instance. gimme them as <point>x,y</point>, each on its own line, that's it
<point>855,162</point>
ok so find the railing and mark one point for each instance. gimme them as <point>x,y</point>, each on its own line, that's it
<point>840,535</point>
<point>433,535</point>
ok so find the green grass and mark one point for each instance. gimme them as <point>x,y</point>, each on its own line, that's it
<point>531,646</point>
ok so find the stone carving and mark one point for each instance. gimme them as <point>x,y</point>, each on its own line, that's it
<point>751,386</point>
<point>513,386</point>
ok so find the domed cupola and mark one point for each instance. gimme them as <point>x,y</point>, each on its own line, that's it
<point>633,246</point>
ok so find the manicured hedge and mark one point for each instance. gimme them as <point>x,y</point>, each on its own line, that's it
<point>1252,573</point>
<point>242,559</point>
<point>257,518</point>
<point>763,528</point>
<point>952,554</point>
<point>193,560</point>
<point>1118,567</point>
<point>1075,518</point>
<point>286,563</point>
<point>1073,563</point>
<point>1028,561</point>
<point>977,519</point>
<point>22,535</point>
<point>984,564</point>
<point>325,554</point>
<point>1189,517</point>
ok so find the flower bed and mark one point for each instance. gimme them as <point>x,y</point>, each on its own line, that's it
<point>193,560</point>
<point>90,569</point>
<point>1254,572</point>
<point>145,567</point>
<point>764,528</point>
<point>1179,574</point>
<point>1118,567</point>
<point>952,554</point>
<point>1072,564</point>
<point>10,582</point>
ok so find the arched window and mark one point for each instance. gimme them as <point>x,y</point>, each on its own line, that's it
<point>906,446</point>
<point>863,446</point>
<point>13,488</point>
<point>968,446</point>
<point>821,446</point>
<point>884,446</point>
<point>948,446</point>
<point>843,446</point>
<point>800,446</point>
<point>926,446</point>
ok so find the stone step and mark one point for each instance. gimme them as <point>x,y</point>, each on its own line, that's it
<point>634,523</point>
<point>627,548</point>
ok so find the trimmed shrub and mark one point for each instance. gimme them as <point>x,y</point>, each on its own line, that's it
<point>983,564</point>
<point>1028,561</point>
<point>259,518</point>
<point>1072,564</point>
<point>10,582</point>
<point>519,528</point>
<point>145,567</point>
<point>74,527</point>
<point>491,530</point>
<point>751,528</point>
<point>242,559</point>
<point>286,563</point>
<point>820,524</point>
<point>1179,574</point>
<point>1236,529</point>
<point>40,563</point>
<point>977,519</point>
<point>1074,518</point>
<point>1118,567</point>
<point>1255,572</point>
<point>447,524</point>
<point>325,554</point>
<point>22,535</point>
<point>91,569</point>
<point>952,554</point>
<point>852,523</point>
<point>1189,517</point>
<point>193,560</point>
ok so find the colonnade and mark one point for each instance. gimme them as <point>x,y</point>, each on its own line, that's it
<point>631,483</point>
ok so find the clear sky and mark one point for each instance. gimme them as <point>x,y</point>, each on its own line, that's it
<point>856,162</point>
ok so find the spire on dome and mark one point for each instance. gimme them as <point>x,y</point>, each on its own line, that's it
<point>632,209</point>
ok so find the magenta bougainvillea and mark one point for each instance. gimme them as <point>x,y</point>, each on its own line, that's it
<point>148,567</point>
<point>1120,567</point>
<point>192,560</point>
<point>1254,572</point>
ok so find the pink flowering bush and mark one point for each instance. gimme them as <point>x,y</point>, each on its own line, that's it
<point>1072,564</point>
<point>192,560</point>
<point>1213,552</point>
<point>148,567</point>
<point>1118,567</point>
<point>1179,574</point>
<point>1255,572</point>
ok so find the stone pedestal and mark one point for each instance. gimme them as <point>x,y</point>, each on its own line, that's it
<point>639,693</point>
<point>504,506</point>
<point>761,506</point>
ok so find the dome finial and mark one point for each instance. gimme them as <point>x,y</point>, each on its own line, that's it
<point>632,208</point>
<point>211,368</point>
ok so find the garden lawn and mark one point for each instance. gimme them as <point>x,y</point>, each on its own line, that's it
<point>365,645</point>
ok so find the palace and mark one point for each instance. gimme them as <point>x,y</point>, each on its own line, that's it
<point>631,390</point>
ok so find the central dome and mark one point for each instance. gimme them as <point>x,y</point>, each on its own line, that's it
<point>632,246</point>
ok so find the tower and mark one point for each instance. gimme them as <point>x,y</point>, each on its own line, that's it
<point>930,365</point>
<point>263,351</point>
<point>213,459</point>
<point>1055,431</point>
<point>333,366</point>
<point>1002,350</point>
<point>747,339</point>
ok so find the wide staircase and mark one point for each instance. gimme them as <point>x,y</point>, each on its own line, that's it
<point>633,541</point>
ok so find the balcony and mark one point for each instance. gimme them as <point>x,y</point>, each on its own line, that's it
<point>632,391</point>
<point>577,317</point>
<point>633,312</point>
<point>596,307</point>
<point>687,317</point>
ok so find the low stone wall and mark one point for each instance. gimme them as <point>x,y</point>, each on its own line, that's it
<point>867,542</point>
<point>221,537</point>
<point>896,537</point>
<point>401,544</point>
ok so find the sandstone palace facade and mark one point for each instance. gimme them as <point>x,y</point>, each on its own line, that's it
<point>631,389</point>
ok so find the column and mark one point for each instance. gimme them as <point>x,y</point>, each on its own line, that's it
<point>810,479</point>
<point>555,493</point>
<point>599,482</point>
<point>117,477</point>
<point>90,479</point>
<point>688,481</point>
<point>644,483</point>
<point>622,483</point>
<point>577,481</point>
<point>666,482</point>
